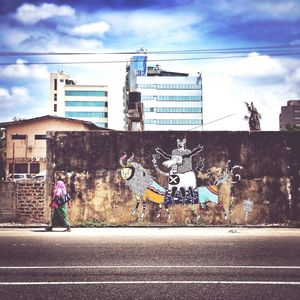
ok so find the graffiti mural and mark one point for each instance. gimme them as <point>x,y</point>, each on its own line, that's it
<point>182,186</point>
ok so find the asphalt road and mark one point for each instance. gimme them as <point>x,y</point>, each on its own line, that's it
<point>150,263</point>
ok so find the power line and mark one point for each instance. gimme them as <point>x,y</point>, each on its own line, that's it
<point>225,117</point>
<point>149,60</point>
<point>185,51</point>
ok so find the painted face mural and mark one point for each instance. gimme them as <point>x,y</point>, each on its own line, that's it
<point>182,180</point>
<point>126,173</point>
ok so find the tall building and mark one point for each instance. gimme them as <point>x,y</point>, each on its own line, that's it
<point>290,114</point>
<point>83,102</point>
<point>155,99</point>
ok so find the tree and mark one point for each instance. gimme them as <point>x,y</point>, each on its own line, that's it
<point>253,117</point>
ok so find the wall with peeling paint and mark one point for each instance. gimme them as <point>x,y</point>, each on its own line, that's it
<point>90,163</point>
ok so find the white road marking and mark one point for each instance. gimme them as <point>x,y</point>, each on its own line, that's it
<point>152,282</point>
<point>148,267</point>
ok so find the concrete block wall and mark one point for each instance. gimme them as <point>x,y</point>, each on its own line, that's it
<point>270,178</point>
<point>31,202</point>
<point>7,201</point>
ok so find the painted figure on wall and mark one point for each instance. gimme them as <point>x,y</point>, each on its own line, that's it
<point>181,175</point>
<point>182,188</point>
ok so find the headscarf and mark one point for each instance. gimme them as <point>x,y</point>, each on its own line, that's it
<point>60,189</point>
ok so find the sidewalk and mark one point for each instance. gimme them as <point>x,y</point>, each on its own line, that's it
<point>38,225</point>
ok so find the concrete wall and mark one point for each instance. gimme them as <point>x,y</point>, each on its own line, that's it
<point>269,178</point>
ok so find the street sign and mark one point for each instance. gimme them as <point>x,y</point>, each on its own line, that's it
<point>248,207</point>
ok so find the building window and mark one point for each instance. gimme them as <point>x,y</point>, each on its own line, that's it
<point>19,137</point>
<point>40,136</point>
<point>149,109</point>
<point>55,107</point>
<point>61,80</point>
<point>82,114</point>
<point>86,93</point>
<point>55,84</point>
<point>170,86</point>
<point>19,168</point>
<point>179,98</point>
<point>87,103</point>
<point>34,168</point>
<point>55,97</point>
<point>174,121</point>
<point>178,109</point>
<point>100,124</point>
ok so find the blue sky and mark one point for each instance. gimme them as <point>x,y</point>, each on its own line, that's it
<point>256,74</point>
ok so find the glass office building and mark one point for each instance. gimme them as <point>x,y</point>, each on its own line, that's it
<point>83,102</point>
<point>168,100</point>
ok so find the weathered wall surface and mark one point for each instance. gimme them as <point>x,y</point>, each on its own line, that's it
<point>269,178</point>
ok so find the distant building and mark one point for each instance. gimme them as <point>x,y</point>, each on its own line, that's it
<point>26,141</point>
<point>84,102</point>
<point>290,114</point>
<point>155,99</point>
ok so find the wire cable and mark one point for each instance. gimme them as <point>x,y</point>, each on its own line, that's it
<point>219,119</point>
<point>149,60</point>
<point>184,51</point>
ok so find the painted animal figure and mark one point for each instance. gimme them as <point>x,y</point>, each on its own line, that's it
<point>140,181</point>
<point>206,195</point>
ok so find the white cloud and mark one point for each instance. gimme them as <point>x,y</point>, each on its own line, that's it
<point>36,72</point>
<point>257,9</point>
<point>155,27</point>
<point>13,97</point>
<point>280,10</point>
<point>258,67</point>
<point>91,29</point>
<point>30,14</point>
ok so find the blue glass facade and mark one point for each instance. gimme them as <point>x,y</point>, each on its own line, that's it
<point>173,109</point>
<point>86,103</point>
<point>167,86</point>
<point>172,98</point>
<point>86,93</point>
<point>174,121</point>
<point>82,114</point>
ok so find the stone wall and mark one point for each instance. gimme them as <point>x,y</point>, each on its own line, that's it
<point>31,202</point>
<point>269,178</point>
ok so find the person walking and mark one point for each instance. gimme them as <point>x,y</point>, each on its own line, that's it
<point>59,214</point>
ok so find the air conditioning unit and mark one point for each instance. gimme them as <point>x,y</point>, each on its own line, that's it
<point>34,158</point>
<point>29,147</point>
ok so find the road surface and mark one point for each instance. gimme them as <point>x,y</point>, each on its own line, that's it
<point>150,263</point>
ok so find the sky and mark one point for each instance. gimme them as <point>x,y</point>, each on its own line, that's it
<point>245,50</point>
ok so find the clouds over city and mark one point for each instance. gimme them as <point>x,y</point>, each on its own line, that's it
<point>30,14</point>
<point>119,26</point>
